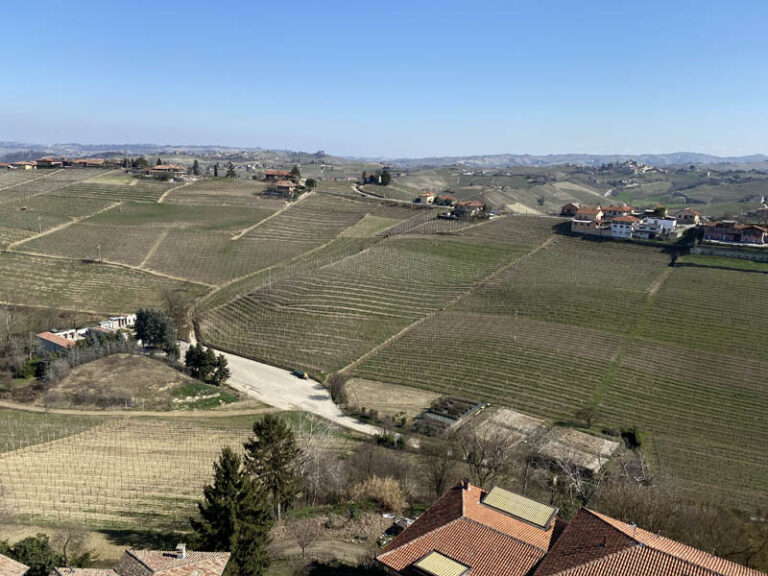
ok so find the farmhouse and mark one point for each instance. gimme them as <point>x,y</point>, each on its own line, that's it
<point>118,322</point>
<point>179,562</point>
<point>731,232</point>
<point>688,217</point>
<point>445,200</point>
<point>623,226</point>
<point>50,162</point>
<point>570,209</point>
<point>470,207</point>
<point>88,162</point>
<point>654,228</point>
<point>4,166</point>
<point>425,198</point>
<point>471,531</point>
<point>25,164</point>
<point>588,221</point>
<point>167,171</point>
<point>285,187</point>
<point>275,175</point>
<point>596,545</point>
<point>612,212</point>
<point>9,567</point>
<point>53,342</point>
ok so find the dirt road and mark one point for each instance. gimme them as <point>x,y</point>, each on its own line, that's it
<point>281,389</point>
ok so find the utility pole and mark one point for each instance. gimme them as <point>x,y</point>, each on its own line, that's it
<point>99,248</point>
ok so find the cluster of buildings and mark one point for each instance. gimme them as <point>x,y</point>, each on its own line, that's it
<point>624,222</point>
<point>179,562</point>
<point>59,162</point>
<point>58,340</point>
<point>473,532</point>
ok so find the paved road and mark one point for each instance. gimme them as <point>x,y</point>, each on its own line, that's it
<point>281,389</point>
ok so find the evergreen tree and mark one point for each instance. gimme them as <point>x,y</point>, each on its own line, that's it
<point>155,329</point>
<point>216,170</point>
<point>159,162</point>
<point>124,163</point>
<point>231,172</point>
<point>272,457</point>
<point>37,553</point>
<point>250,556</point>
<point>386,177</point>
<point>196,168</point>
<point>221,372</point>
<point>311,183</point>
<point>295,173</point>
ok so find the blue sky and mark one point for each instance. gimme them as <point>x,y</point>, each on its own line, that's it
<point>392,78</point>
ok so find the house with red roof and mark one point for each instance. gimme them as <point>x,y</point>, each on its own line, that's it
<point>470,207</point>
<point>611,212</point>
<point>623,226</point>
<point>688,217</point>
<point>569,210</point>
<point>590,221</point>
<point>475,532</point>
<point>596,545</point>
<point>275,175</point>
<point>53,342</point>
<point>89,162</point>
<point>179,562</point>
<point>25,164</point>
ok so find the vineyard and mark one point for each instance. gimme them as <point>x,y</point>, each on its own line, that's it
<point>74,285</point>
<point>209,192</point>
<point>121,473</point>
<point>327,319</point>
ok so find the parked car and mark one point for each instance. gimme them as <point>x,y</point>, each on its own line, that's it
<point>301,374</point>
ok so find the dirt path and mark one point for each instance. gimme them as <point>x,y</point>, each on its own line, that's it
<point>164,194</point>
<point>155,246</point>
<point>134,413</point>
<point>472,289</point>
<point>283,390</point>
<point>268,218</point>
<point>67,224</point>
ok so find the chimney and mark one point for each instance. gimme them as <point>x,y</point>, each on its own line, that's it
<point>465,484</point>
<point>181,550</point>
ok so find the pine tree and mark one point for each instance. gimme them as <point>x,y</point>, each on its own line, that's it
<point>250,556</point>
<point>159,162</point>
<point>216,170</point>
<point>295,173</point>
<point>216,529</point>
<point>231,173</point>
<point>196,168</point>
<point>272,458</point>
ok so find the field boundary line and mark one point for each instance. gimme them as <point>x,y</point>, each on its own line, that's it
<point>111,263</point>
<point>155,246</point>
<point>164,194</point>
<point>268,218</point>
<point>169,414</point>
<point>471,290</point>
<point>61,226</point>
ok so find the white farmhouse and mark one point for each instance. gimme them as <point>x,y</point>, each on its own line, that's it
<point>652,228</point>
<point>623,226</point>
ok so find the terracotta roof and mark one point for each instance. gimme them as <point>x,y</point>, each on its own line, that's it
<point>596,545</point>
<point>4,165</point>
<point>459,526</point>
<point>277,173</point>
<point>9,567</point>
<point>689,211</point>
<point>98,161</point>
<point>286,183</point>
<point>618,209</point>
<point>25,163</point>
<point>427,194</point>
<point>471,203</point>
<point>589,211</point>
<point>167,563</point>
<point>56,339</point>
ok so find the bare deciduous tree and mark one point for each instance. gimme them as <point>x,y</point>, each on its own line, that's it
<point>438,466</point>
<point>306,531</point>
<point>488,454</point>
<point>582,485</point>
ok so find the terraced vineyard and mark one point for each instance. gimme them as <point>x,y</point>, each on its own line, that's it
<point>327,319</point>
<point>135,191</point>
<point>36,182</point>
<point>73,285</point>
<point>224,192</point>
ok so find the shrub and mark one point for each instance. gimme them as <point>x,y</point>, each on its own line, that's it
<point>386,492</point>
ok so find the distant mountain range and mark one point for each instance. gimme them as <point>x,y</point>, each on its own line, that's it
<point>11,151</point>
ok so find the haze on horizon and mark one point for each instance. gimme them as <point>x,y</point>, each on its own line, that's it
<point>394,80</point>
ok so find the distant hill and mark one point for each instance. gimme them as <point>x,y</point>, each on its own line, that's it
<point>12,151</point>
<point>501,160</point>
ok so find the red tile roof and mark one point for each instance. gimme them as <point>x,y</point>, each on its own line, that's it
<point>471,203</point>
<point>618,209</point>
<point>286,183</point>
<point>56,339</point>
<point>625,219</point>
<point>277,173</point>
<point>589,211</point>
<point>9,567</point>
<point>461,527</point>
<point>596,545</point>
<point>159,562</point>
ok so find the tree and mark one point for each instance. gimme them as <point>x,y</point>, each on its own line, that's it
<point>311,183</point>
<point>37,553</point>
<point>196,167</point>
<point>306,531</point>
<point>195,361</point>
<point>386,178</point>
<point>159,162</point>
<point>233,517</point>
<point>272,458</point>
<point>438,466</point>
<point>155,329</point>
<point>140,162</point>
<point>216,170</point>
<point>221,372</point>
<point>365,177</point>
<point>295,173</point>
<point>124,163</point>
<point>588,414</point>
<point>488,454</point>
<point>231,172</point>
<point>337,386</point>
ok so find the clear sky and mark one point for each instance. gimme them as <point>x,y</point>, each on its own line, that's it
<point>391,78</point>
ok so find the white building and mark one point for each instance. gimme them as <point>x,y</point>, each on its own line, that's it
<point>623,226</point>
<point>653,228</point>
